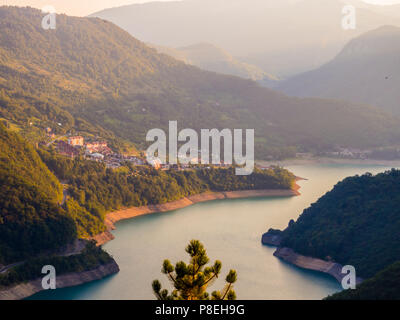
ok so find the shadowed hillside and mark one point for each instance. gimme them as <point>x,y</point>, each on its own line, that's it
<point>366,71</point>
<point>357,223</point>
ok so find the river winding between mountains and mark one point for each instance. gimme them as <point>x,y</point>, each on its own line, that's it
<point>231,231</point>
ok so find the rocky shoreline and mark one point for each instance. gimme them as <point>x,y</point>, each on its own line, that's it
<point>24,290</point>
<point>309,263</point>
<point>128,213</point>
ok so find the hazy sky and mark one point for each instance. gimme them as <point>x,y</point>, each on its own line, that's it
<point>74,7</point>
<point>85,7</point>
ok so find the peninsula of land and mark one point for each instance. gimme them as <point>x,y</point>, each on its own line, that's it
<point>288,255</point>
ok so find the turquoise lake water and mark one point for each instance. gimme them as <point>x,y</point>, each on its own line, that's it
<point>231,231</point>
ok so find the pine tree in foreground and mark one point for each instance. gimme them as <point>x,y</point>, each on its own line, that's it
<point>191,280</point>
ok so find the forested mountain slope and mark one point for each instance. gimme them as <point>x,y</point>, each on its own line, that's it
<point>30,218</point>
<point>91,76</point>
<point>357,223</point>
<point>35,218</point>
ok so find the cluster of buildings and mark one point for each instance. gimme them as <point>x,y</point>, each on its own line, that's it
<point>76,141</point>
<point>75,146</point>
<point>196,161</point>
<point>350,153</point>
<point>66,149</point>
<point>339,152</point>
<point>98,147</point>
<point>93,150</point>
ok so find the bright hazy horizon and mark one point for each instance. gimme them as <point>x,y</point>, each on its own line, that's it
<point>86,7</point>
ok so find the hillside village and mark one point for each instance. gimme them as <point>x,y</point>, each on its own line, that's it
<point>90,149</point>
<point>94,150</point>
<point>98,150</point>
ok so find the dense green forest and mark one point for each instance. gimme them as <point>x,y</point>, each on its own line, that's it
<point>30,218</point>
<point>97,189</point>
<point>90,258</point>
<point>357,223</point>
<point>383,286</point>
<point>90,76</point>
<point>33,224</point>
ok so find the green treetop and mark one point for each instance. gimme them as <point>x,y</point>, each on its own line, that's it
<point>191,280</point>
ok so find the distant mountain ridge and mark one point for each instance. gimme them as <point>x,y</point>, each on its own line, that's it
<point>209,57</point>
<point>367,70</point>
<point>90,76</point>
<point>281,37</point>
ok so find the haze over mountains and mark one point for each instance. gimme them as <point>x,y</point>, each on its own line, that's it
<point>209,57</point>
<point>390,11</point>
<point>281,37</point>
<point>367,70</point>
<point>91,76</point>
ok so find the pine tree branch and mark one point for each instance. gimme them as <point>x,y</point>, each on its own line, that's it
<point>226,292</point>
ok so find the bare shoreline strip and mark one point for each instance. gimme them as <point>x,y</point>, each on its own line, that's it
<point>304,262</point>
<point>310,263</point>
<point>27,289</point>
<point>128,213</point>
<point>314,264</point>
